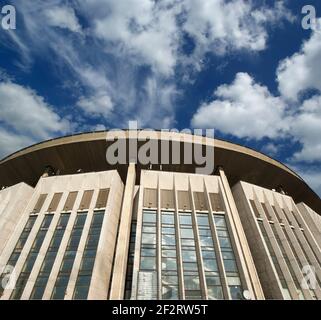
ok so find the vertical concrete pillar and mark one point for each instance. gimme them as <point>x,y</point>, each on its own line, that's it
<point>120,263</point>
<point>250,272</point>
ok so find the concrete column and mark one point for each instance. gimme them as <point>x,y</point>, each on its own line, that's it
<point>120,263</point>
<point>248,267</point>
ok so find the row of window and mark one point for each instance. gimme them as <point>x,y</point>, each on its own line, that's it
<point>17,251</point>
<point>31,258</point>
<point>87,263</point>
<point>191,271</point>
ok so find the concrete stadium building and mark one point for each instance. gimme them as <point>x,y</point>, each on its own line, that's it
<point>72,226</point>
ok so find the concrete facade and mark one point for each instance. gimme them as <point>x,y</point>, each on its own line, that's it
<point>156,232</point>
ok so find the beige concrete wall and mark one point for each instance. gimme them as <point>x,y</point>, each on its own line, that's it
<point>284,226</point>
<point>104,258</point>
<point>12,202</point>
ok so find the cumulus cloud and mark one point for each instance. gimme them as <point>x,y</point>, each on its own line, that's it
<point>27,118</point>
<point>301,71</point>
<point>245,109</point>
<point>306,128</point>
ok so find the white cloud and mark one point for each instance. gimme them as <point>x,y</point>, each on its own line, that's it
<point>26,117</point>
<point>301,71</point>
<point>306,128</point>
<point>63,17</point>
<point>244,109</point>
<point>97,105</point>
<point>220,25</point>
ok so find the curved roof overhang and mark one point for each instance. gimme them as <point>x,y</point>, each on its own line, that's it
<point>87,151</point>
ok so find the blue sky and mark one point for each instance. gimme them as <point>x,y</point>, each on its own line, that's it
<point>245,68</point>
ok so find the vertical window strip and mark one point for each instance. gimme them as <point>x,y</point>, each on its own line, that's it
<point>18,248</point>
<point>229,260</point>
<point>88,260</point>
<point>304,253</point>
<point>170,286</point>
<point>130,264</point>
<point>287,262</point>
<point>191,272</point>
<point>61,284</point>
<point>147,277</point>
<point>212,276</point>
<point>285,289</point>
<point>49,260</point>
<point>31,258</point>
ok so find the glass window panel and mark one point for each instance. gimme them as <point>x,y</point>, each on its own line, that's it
<point>220,221</point>
<point>230,266</point>
<point>213,281</point>
<point>193,295</point>
<point>83,280</point>
<point>191,282</point>
<point>206,241</point>
<point>222,233</point>
<point>215,293</point>
<point>228,254</point>
<point>203,220</point>
<point>225,242</point>
<point>148,263</point>
<point>98,219</point>
<point>205,232</point>
<point>80,220</point>
<point>37,293</point>
<point>87,264</point>
<point>168,240</point>
<point>169,253</point>
<point>236,292</point>
<point>189,256</point>
<point>185,219</point>
<point>208,254</point>
<point>168,219</point>
<point>149,238</point>
<point>58,293</point>
<point>81,293</point>
<point>149,229</point>
<point>169,264</point>
<point>233,281</point>
<point>210,265</point>
<point>168,279</point>
<point>168,230</point>
<point>149,218</point>
<point>62,281</point>
<point>66,265</point>
<point>190,266</point>
<point>187,233</point>
<point>188,242</point>
<point>170,293</point>
<point>145,252</point>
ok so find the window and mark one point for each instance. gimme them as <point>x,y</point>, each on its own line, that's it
<point>148,260</point>
<point>229,261</point>
<point>19,246</point>
<point>31,258</point>
<point>61,283</point>
<point>189,257</point>
<point>169,257</point>
<point>88,260</point>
